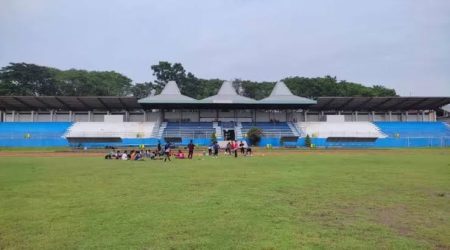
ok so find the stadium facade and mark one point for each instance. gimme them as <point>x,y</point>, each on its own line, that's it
<point>285,119</point>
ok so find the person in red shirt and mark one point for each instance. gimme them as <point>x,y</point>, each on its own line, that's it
<point>234,147</point>
<point>179,155</point>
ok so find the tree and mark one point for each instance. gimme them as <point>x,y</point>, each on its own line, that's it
<point>254,136</point>
<point>141,90</point>
<point>213,137</point>
<point>307,141</point>
<point>28,79</point>
<point>165,72</point>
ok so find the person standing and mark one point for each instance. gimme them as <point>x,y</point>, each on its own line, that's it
<point>216,149</point>
<point>234,147</point>
<point>191,147</point>
<point>241,147</point>
<point>167,151</point>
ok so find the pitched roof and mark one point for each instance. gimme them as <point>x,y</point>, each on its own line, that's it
<point>227,94</point>
<point>170,94</point>
<point>281,94</point>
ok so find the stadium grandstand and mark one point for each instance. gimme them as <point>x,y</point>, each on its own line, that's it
<point>285,120</point>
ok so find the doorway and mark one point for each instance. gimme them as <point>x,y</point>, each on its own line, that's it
<point>228,134</point>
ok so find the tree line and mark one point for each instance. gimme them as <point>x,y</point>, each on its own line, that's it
<point>35,80</point>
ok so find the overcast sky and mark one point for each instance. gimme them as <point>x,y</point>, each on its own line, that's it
<point>402,44</point>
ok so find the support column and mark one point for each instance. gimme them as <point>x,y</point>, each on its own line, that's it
<point>70,115</point>
<point>373,116</point>
<point>423,115</point>
<point>390,115</point>
<point>305,113</point>
<point>198,115</point>
<point>13,114</point>
<point>321,115</point>
<point>356,116</point>
<point>32,116</point>
<point>406,116</point>
<point>89,115</point>
<point>1,116</point>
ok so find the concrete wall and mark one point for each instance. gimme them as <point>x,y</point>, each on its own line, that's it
<point>211,115</point>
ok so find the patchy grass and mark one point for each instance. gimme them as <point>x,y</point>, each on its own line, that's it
<point>324,199</point>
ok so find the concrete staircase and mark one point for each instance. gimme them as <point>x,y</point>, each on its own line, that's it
<point>238,131</point>
<point>294,129</point>
<point>161,129</point>
<point>218,129</point>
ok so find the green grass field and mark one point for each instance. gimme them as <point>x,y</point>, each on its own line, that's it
<point>366,199</point>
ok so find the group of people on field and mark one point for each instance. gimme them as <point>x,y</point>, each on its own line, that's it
<point>232,148</point>
<point>165,152</point>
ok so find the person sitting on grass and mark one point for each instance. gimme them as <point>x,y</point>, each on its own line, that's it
<point>138,156</point>
<point>125,155</point>
<point>118,155</point>
<point>109,156</point>
<point>132,155</point>
<point>180,155</point>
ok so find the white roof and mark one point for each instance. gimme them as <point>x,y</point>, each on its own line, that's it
<point>227,94</point>
<point>171,93</point>
<point>282,94</point>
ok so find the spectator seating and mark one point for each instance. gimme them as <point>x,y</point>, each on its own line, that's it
<point>190,130</point>
<point>340,129</point>
<point>33,134</point>
<point>111,129</point>
<point>270,129</point>
<point>414,129</point>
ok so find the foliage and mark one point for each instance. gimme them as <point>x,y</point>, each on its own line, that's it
<point>254,136</point>
<point>35,80</point>
<point>31,79</point>
<point>307,141</point>
<point>213,137</point>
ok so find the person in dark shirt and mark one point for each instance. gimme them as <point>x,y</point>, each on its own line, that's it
<point>216,149</point>
<point>241,147</point>
<point>191,147</point>
<point>159,148</point>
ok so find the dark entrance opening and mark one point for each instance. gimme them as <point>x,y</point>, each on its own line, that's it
<point>228,134</point>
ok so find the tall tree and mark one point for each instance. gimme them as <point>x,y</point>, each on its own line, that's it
<point>27,79</point>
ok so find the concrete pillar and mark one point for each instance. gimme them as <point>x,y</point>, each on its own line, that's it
<point>356,116</point>
<point>423,115</point>
<point>89,116</point>
<point>373,116</point>
<point>1,116</point>
<point>305,113</point>
<point>322,114</point>
<point>390,115</point>
<point>13,114</point>
<point>32,116</point>
<point>406,116</point>
<point>70,115</point>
